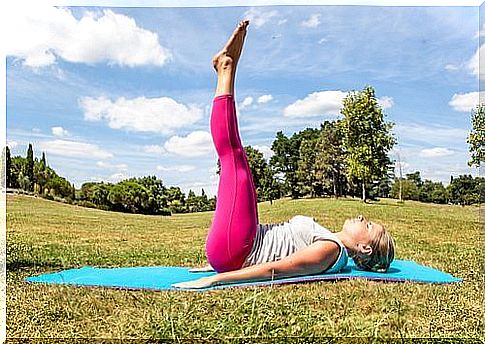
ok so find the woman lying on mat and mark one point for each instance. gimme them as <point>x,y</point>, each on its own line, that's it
<point>238,247</point>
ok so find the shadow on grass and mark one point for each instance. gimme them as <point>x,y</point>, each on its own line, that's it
<point>30,265</point>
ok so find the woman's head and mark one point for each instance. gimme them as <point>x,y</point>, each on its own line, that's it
<point>370,245</point>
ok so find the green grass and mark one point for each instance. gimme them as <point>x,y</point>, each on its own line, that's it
<point>45,236</point>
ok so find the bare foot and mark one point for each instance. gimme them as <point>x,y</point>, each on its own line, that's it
<point>229,55</point>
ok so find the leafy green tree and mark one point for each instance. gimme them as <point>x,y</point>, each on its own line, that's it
<point>465,190</point>
<point>367,138</point>
<point>267,187</point>
<point>286,158</point>
<point>409,189</point>
<point>176,199</point>
<point>283,162</point>
<point>330,158</point>
<point>476,138</point>
<point>432,192</point>
<point>308,182</point>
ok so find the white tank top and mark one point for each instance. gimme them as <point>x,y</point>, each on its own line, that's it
<point>277,241</point>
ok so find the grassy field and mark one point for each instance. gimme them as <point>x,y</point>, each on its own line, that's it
<point>45,236</point>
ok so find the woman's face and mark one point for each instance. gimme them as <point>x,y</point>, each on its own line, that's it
<point>360,229</point>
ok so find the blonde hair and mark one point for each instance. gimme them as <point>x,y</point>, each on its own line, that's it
<point>382,253</point>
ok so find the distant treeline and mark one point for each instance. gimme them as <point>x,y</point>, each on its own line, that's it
<point>145,195</point>
<point>346,157</point>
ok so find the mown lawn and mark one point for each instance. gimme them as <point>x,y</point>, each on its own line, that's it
<point>45,236</point>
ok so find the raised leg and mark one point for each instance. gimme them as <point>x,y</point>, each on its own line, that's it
<point>233,228</point>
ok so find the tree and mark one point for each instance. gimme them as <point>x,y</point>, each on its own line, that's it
<point>306,172</point>
<point>283,162</point>
<point>8,167</point>
<point>29,172</point>
<point>265,183</point>
<point>366,138</point>
<point>476,138</point>
<point>465,190</point>
<point>330,158</point>
<point>406,188</point>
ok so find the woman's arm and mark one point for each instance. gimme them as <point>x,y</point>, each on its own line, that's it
<point>311,260</point>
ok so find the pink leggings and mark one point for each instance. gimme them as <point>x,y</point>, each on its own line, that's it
<point>233,229</point>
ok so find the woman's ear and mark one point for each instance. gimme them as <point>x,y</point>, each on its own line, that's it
<point>365,249</point>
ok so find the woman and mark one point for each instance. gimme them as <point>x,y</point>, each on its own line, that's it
<point>238,247</point>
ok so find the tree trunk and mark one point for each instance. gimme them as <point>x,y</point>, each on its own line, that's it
<point>363,191</point>
<point>334,185</point>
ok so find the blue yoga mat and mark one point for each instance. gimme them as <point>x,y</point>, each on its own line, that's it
<point>162,277</point>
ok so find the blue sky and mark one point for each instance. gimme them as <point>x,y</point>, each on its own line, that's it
<point>112,93</point>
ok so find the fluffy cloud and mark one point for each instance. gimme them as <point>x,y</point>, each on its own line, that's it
<point>197,143</point>
<point>117,177</point>
<point>266,150</point>
<point>473,65</point>
<point>107,165</point>
<point>316,104</point>
<point>312,22</point>
<point>74,149</point>
<point>159,115</point>
<point>435,152</point>
<point>177,168</point>
<point>259,17</point>
<point>436,135</point>
<point>12,144</point>
<point>451,67</point>
<point>386,102</point>
<point>265,98</point>
<point>245,103</point>
<point>43,34</point>
<point>464,102</point>
<point>59,131</point>
<point>154,149</point>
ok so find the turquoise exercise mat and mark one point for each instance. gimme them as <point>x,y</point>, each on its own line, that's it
<point>162,277</point>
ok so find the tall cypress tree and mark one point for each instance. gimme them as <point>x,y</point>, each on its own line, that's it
<point>30,167</point>
<point>43,162</point>
<point>8,166</point>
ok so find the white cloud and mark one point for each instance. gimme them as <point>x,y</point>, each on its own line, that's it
<point>265,98</point>
<point>59,131</point>
<point>473,65</point>
<point>266,150</point>
<point>435,135</point>
<point>259,17</point>
<point>117,177</point>
<point>316,104</point>
<point>312,22</point>
<point>245,103</point>
<point>107,165</point>
<point>160,115</point>
<point>154,149</point>
<point>36,130</point>
<point>74,149</point>
<point>282,21</point>
<point>177,168</point>
<point>386,102</point>
<point>322,40</point>
<point>42,34</point>
<point>435,152</point>
<point>464,102</point>
<point>451,67</point>
<point>197,143</point>
<point>12,144</point>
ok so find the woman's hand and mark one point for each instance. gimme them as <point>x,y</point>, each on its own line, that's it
<point>204,282</point>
